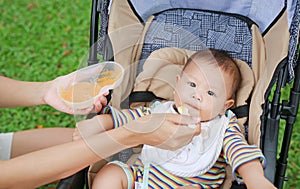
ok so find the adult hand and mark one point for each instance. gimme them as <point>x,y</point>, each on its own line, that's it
<point>52,98</point>
<point>100,102</point>
<point>167,131</point>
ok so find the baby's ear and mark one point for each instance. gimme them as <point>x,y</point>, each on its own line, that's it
<point>228,104</point>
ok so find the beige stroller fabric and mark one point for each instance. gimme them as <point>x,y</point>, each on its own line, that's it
<point>268,51</point>
<point>127,34</point>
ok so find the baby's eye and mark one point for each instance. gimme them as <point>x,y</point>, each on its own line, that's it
<point>192,84</point>
<point>210,93</point>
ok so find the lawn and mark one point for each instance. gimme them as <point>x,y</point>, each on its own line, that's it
<point>41,40</point>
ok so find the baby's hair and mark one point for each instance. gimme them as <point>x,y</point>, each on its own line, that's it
<point>224,61</point>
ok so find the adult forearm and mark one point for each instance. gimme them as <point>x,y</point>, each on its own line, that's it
<point>15,93</point>
<point>44,166</point>
<point>41,167</point>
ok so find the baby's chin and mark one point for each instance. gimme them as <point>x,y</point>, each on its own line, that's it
<point>202,117</point>
<point>194,113</point>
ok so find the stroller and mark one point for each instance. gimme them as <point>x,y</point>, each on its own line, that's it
<point>263,34</point>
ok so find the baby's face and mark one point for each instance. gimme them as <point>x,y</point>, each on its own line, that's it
<point>203,91</point>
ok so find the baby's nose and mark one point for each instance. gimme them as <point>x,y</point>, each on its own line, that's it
<point>197,97</point>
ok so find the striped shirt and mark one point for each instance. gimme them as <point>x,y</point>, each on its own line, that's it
<point>236,151</point>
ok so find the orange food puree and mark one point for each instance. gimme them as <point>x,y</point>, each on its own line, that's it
<point>83,91</point>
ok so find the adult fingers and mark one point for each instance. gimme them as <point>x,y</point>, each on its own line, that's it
<point>101,101</point>
<point>79,111</point>
<point>180,136</point>
<point>183,119</point>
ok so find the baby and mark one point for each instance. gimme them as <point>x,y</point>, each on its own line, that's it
<point>205,89</point>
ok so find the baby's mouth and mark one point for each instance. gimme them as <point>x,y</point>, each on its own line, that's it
<point>191,107</point>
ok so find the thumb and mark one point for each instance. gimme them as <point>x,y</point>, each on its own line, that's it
<point>188,120</point>
<point>192,122</point>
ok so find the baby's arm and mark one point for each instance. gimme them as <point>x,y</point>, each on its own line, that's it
<point>93,126</point>
<point>253,175</point>
<point>246,160</point>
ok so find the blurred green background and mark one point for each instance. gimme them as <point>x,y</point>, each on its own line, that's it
<point>41,40</point>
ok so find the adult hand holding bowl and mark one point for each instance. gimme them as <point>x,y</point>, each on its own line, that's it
<point>90,83</point>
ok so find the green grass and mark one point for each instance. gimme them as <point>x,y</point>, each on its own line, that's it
<point>41,40</point>
<point>294,152</point>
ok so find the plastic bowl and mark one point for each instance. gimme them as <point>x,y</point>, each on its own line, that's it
<point>89,83</point>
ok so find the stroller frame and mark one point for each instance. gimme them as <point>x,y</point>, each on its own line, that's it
<point>274,109</point>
